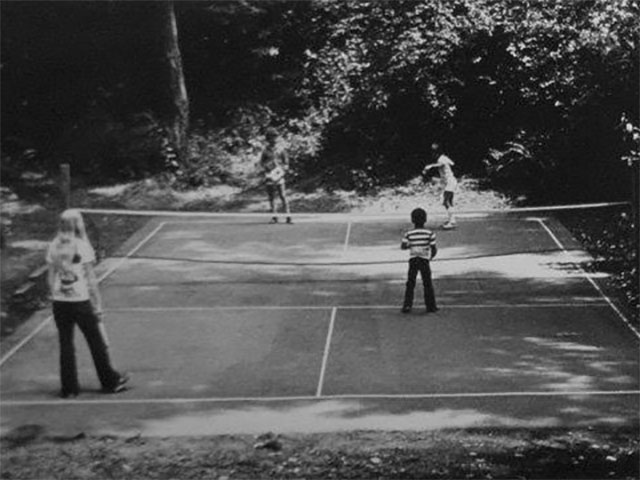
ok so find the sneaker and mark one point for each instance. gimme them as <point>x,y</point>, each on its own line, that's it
<point>449,226</point>
<point>406,309</point>
<point>120,386</point>
<point>289,221</point>
<point>274,220</point>
<point>68,394</point>
<point>433,310</point>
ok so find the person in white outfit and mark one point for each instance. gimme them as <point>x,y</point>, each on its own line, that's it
<point>444,164</point>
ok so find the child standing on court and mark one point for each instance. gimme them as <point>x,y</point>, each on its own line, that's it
<point>444,164</point>
<point>274,164</point>
<point>77,301</point>
<point>421,244</point>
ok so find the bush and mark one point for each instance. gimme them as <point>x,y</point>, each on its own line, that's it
<point>208,162</point>
<point>101,148</point>
<point>230,154</point>
<point>522,167</point>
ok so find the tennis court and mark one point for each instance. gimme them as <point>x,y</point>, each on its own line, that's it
<point>229,324</point>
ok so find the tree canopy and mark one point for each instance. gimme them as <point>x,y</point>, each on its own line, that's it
<point>529,92</point>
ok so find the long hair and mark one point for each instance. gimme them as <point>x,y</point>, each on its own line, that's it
<point>70,229</point>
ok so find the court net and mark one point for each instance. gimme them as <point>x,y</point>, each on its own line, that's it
<point>605,230</point>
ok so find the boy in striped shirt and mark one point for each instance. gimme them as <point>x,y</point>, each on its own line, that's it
<point>421,244</point>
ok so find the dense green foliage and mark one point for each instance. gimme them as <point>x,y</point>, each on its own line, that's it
<point>551,77</point>
<point>530,92</point>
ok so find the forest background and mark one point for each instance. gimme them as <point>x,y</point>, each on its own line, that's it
<point>540,97</point>
<point>538,100</point>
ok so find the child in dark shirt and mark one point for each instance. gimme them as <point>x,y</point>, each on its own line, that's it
<point>274,163</point>
<point>421,244</point>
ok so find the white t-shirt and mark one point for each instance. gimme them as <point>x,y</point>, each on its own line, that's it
<point>70,281</point>
<point>446,173</point>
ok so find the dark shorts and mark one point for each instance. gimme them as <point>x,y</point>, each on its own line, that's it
<point>275,189</point>
<point>448,199</point>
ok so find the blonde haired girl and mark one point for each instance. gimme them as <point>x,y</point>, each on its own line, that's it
<point>76,300</point>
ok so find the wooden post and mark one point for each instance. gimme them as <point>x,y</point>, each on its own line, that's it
<point>65,184</point>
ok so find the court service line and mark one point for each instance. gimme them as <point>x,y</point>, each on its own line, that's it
<point>325,355</point>
<point>591,281</point>
<point>346,239</point>
<point>109,271</point>
<point>593,304</point>
<point>298,398</point>
<point>134,250</point>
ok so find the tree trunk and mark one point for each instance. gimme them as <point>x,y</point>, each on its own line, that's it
<point>178,112</point>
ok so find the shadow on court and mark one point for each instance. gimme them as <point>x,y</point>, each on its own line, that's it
<point>241,327</point>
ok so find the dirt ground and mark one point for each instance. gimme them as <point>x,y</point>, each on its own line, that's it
<point>473,454</point>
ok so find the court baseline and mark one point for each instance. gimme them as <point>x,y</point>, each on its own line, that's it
<point>359,396</point>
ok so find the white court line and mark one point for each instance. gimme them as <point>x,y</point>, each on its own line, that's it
<point>591,281</point>
<point>325,356</point>
<point>593,304</point>
<point>306,398</point>
<point>135,249</point>
<point>346,239</point>
<point>599,303</point>
<point>38,328</point>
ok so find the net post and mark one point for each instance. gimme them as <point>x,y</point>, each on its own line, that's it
<point>635,209</point>
<point>65,184</point>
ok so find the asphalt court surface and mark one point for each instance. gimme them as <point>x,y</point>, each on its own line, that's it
<point>340,263</point>
<point>227,315</point>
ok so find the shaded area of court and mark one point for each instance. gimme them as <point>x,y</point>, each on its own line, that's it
<point>209,263</point>
<point>326,241</point>
<point>233,325</point>
<point>469,351</point>
<point>257,353</point>
<point>281,290</point>
<point>189,354</point>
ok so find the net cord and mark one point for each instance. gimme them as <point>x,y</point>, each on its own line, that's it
<point>331,264</point>
<point>335,215</point>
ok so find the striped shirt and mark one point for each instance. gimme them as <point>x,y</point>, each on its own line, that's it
<point>419,242</point>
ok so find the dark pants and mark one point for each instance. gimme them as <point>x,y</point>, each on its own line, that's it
<point>67,315</point>
<point>447,200</point>
<point>421,265</point>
